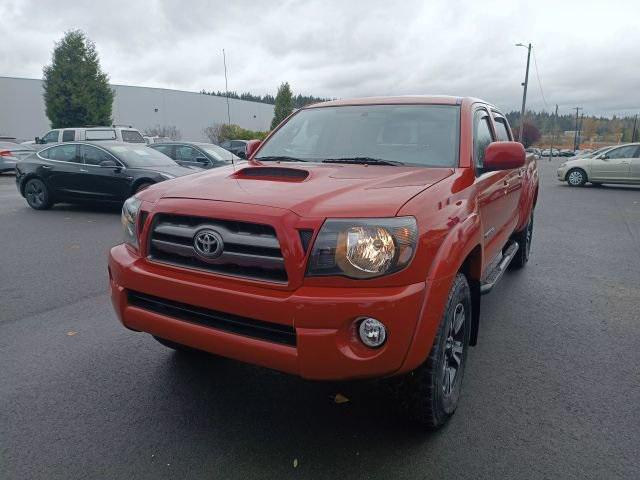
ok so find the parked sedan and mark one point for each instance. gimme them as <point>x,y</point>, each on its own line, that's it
<point>11,153</point>
<point>615,165</point>
<point>91,171</point>
<point>193,154</point>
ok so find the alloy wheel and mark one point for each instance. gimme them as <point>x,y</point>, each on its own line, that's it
<point>35,193</point>
<point>454,350</point>
<point>576,178</point>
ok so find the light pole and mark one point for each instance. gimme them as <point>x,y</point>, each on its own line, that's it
<point>524,92</point>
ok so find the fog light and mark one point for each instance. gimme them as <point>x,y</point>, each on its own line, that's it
<point>372,332</point>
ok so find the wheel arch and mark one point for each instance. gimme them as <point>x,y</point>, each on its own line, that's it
<point>461,251</point>
<point>30,176</point>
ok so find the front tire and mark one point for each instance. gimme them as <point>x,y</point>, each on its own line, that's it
<point>431,392</point>
<point>576,177</point>
<point>37,194</point>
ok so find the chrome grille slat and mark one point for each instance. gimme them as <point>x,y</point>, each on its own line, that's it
<point>250,250</point>
<point>227,235</point>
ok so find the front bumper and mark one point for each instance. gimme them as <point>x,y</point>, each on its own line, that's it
<point>562,173</point>
<point>7,165</point>
<point>326,347</point>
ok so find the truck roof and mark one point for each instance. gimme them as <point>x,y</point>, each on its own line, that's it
<point>400,100</point>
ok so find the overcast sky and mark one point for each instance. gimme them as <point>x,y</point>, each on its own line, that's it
<point>587,53</point>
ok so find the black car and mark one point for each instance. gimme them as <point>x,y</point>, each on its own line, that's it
<point>239,147</point>
<point>190,154</point>
<point>88,171</point>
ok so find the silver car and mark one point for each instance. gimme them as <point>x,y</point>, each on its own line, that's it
<point>11,153</point>
<point>619,164</point>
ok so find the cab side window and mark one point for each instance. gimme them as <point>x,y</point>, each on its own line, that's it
<point>93,155</point>
<point>68,135</point>
<point>185,153</point>
<point>51,137</point>
<point>502,132</point>
<point>622,152</point>
<point>482,137</point>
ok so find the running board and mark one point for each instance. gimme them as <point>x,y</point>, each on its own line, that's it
<point>495,275</point>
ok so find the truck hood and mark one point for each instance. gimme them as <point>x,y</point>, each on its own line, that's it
<point>309,190</point>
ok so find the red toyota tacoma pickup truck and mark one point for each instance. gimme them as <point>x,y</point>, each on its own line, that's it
<point>355,242</point>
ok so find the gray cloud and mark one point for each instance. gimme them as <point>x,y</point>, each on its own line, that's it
<point>586,53</point>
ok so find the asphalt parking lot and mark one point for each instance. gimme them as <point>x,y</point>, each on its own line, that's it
<point>551,391</point>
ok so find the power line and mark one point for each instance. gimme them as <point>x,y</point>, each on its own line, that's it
<point>535,64</point>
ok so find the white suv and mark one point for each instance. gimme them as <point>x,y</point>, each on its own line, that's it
<point>114,133</point>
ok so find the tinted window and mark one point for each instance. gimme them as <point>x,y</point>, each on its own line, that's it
<point>140,156</point>
<point>51,137</point>
<point>481,136</point>
<point>63,153</point>
<point>501,129</point>
<point>623,152</point>
<point>103,134</point>
<point>186,153</point>
<point>68,135</point>
<point>93,155</point>
<point>166,149</point>
<point>225,144</point>
<point>132,136</point>
<point>420,135</point>
<point>237,144</point>
<point>219,153</point>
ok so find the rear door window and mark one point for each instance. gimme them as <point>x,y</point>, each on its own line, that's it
<point>166,149</point>
<point>63,153</point>
<point>622,152</point>
<point>186,153</point>
<point>502,132</point>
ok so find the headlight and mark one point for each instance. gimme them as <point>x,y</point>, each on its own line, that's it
<point>363,248</point>
<point>562,165</point>
<point>129,220</point>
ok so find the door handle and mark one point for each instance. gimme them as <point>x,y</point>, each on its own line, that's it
<point>46,166</point>
<point>83,170</point>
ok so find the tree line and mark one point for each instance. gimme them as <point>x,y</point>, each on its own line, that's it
<point>299,100</point>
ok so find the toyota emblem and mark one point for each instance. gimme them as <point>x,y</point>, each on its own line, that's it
<point>208,243</point>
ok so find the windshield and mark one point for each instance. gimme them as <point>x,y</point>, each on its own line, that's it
<point>419,135</point>
<point>141,156</point>
<point>219,153</point>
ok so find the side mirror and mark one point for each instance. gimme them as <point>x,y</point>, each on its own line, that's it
<point>37,140</point>
<point>204,160</point>
<point>504,156</point>
<point>604,156</point>
<point>252,147</point>
<point>108,164</point>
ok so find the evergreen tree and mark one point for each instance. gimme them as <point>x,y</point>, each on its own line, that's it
<point>283,105</point>
<point>76,91</point>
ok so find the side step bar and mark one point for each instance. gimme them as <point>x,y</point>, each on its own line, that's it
<point>495,275</point>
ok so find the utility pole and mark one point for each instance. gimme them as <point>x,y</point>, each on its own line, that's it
<point>635,122</point>
<point>226,86</point>
<point>580,132</point>
<point>524,92</point>
<point>553,133</point>
<point>575,133</point>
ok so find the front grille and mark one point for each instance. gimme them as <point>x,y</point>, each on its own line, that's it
<point>248,327</point>
<point>251,250</point>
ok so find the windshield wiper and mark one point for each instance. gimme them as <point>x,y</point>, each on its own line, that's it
<point>363,161</point>
<point>279,158</point>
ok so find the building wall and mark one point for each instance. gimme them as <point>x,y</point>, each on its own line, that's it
<point>22,113</point>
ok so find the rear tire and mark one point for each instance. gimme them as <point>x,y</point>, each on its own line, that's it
<point>431,392</point>
<point>523,238</point>
<point>37,194</point>
<point>576,177</point>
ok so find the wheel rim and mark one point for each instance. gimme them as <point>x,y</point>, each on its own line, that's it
<point>35,193</point>
<point>575,178</point>
<point>527,238</point>
<point>453,350</point>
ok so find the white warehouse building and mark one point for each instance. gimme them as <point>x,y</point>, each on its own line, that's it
<point>22,111</point>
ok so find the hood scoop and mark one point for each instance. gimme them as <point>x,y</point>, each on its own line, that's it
<point>274,174</point>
